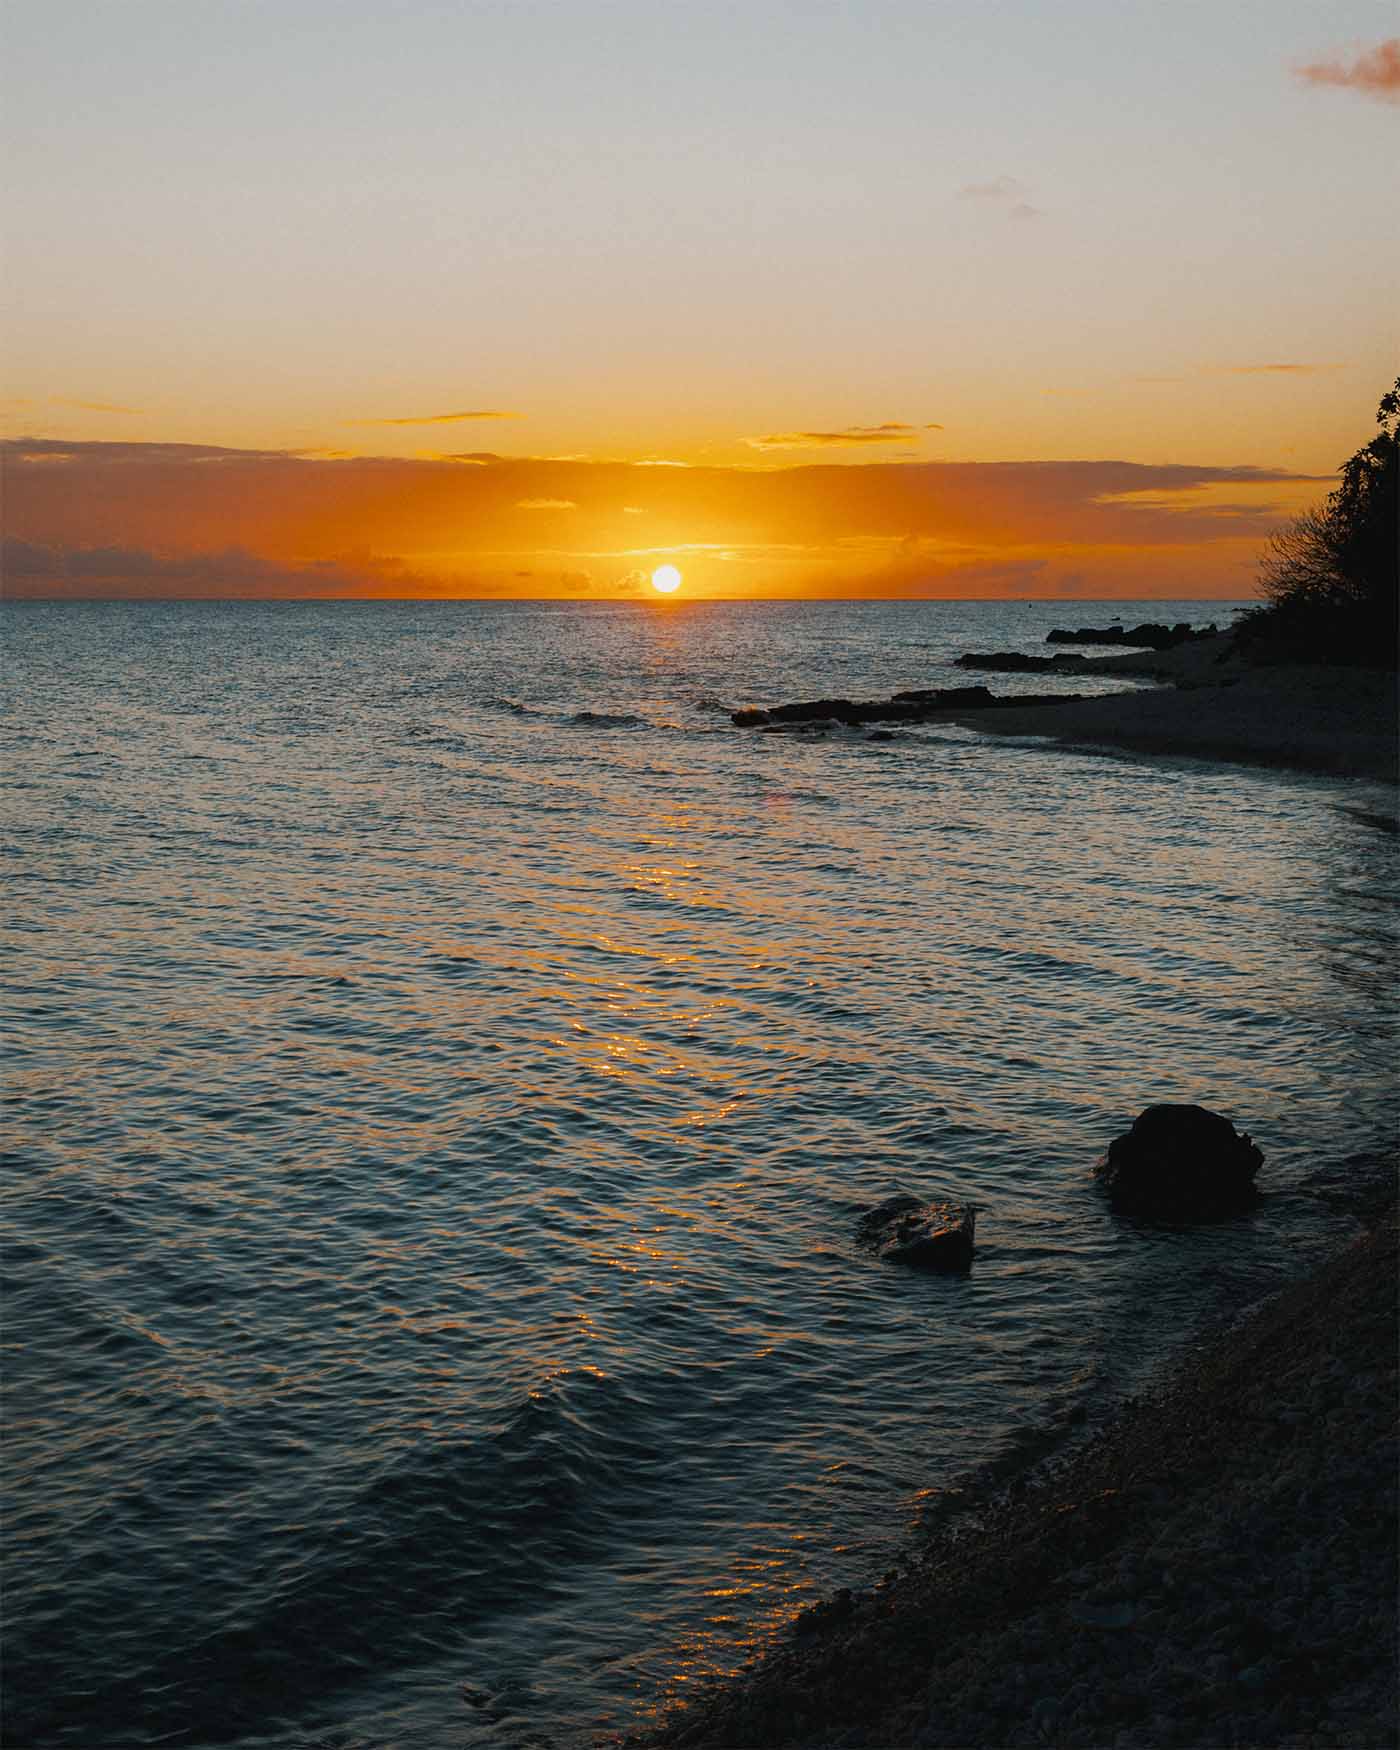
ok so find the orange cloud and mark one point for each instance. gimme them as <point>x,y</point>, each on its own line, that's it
<point>98,406</point>
<point>1374,72</point>
<point>892,431</point>
<point>443,418</point>
<point>1274,370</point>
<point>545,504</point>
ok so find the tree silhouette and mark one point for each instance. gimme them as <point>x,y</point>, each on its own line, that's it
<point>1331,578</point>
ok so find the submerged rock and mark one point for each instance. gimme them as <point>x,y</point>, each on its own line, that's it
<point>1180,1163</point>
<point>928,1236</point>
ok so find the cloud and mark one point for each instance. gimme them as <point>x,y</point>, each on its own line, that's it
<point>545,504</point>
<point>97,406</point>
<point>1292,370</point>
<point>633,510</point>
<point>890,432</point>
<point>30,449</point>
<point>1004,188</point>
<point>1374,72</point>
<point>1003,192</point>
<point>443,418</point>
<point>32,568</point>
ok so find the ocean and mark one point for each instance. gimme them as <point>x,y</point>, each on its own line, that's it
<point>446,1063</point>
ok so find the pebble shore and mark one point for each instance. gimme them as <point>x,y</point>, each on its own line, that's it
<point>1217,1567</point>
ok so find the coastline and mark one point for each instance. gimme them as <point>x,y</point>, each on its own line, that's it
<point>1217,1565</point>
<point>1334,720</point>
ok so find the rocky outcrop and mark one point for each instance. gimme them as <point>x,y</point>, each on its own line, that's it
<point>911,707</point>
<point>1150,635</point>
<point>1017,662</point>
<point>1180,1163</point>
<point>927,1236</point>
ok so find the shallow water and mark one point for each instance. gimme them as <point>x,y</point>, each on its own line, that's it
<point>447,1063</point>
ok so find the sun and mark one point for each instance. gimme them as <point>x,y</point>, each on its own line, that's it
<point>665,578</point>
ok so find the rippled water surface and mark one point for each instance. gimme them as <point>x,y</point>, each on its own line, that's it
<point>446,1064</point>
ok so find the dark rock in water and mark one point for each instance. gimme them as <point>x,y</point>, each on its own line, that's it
<point>945,698</point>
<point>841,710</point>
<point>1180,1163</point>
<point>928,1236</point>
<point>902,708</point>
<point>913,707</point>
<point>1150,635</point>
<point>606,719</point>
<point>1017,662</point>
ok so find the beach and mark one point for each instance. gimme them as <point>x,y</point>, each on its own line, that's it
<point>1215,1567</point>
<point>1335,720</point>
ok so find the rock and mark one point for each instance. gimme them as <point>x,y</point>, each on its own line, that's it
<point>944,698</point>
<point>1180,1163</point>
<point>1016,662</point>
<point>928,1236</point>
<point>911,707</point>
<point>1150,635</point>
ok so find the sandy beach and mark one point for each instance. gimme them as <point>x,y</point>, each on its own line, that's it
<point>1336,720</point>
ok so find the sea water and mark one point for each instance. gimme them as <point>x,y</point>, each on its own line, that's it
<point>446,1064</point>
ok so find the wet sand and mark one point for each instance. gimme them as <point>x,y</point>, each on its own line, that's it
<point>1216,1567</point>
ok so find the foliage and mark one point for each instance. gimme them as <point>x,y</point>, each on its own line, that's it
<point>1329,578</point>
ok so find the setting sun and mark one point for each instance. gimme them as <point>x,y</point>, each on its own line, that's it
<point>665,578</point>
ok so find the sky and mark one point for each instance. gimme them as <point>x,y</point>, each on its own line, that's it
<point>909,298</point>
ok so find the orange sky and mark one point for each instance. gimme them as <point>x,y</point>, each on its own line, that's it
<point>156,520</point>
<point>332,298</point>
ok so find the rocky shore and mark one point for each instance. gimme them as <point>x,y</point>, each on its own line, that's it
<point>1311,719</point>
<point>1217,1567</point>
<point>1209,704</point>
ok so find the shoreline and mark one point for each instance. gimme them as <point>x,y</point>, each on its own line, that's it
<point>1338,721</point>
<point>1216,1564</point>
